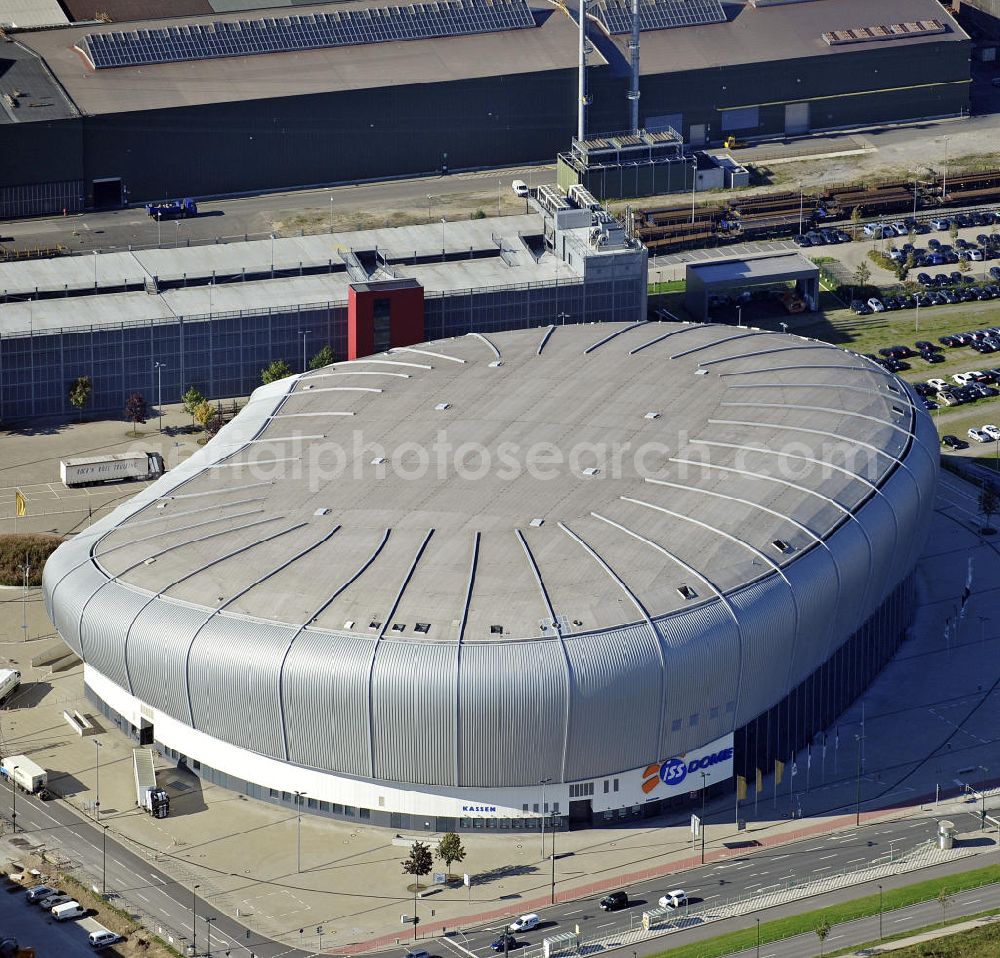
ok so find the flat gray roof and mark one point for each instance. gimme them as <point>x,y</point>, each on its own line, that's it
<point>551,45</point>
<point>783,32</point>
<point>25,14</point>
<point>39,97</point>
<point>227,261</point>
<point>762,269</point>
<point>366,451</point>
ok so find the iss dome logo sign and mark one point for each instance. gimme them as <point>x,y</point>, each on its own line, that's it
<point>673,771</point>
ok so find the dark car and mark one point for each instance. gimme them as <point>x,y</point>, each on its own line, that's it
<point>926,347</point>
<point>995,271</point>
<point>803,241</point>
<point>506,942</point>
<point>860,307</point>
<point>616,901</point>
<point>932,357</point>
<point>953,442</point>
<point>923,389</point>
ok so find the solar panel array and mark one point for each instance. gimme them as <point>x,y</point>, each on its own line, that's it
<point>615,16</point>
<point>240,38</point>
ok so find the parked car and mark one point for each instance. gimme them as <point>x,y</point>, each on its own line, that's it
<point>992,430</point>
<point>616,901</point>
<point>876,305</point>
<point>39,892</point>
<point>101,939</point>
<point>979,436</point>
<point>940,224</point>
<point>860,307</point>
<point>953,442</point>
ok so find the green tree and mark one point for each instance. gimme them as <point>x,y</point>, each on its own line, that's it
<point>989,504</point>
<point>136,410</point>
<point>323,358</point>
<point>278,369</point>
<point>944,900</point>
<point>203,414</point>
<point>80,393</point>
<point>822,933</point>
<point>419,862</point>
<point>862,274</point>
<point>964,265</point>
<point>450,849</point>
<point>855,220</point>
<point>192,399</point>
<point>953,231</point>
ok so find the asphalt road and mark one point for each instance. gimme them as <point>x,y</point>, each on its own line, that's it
<point>232,218</point>
<point>735,878</point>
<point>138,883</point>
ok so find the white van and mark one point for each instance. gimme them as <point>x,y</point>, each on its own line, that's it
<point>524,923</point>
<point>520,187</point>
<point>67,910</point>
<point>101,939</point>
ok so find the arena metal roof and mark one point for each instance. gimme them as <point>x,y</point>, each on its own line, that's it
<point>335,498</point>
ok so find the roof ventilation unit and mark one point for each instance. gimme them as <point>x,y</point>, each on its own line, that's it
<point>687,592</point>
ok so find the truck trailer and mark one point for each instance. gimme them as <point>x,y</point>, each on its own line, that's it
<point>10,681</point>
<point>112,468</point>
<point>24,773</point>
<point>147,795</point>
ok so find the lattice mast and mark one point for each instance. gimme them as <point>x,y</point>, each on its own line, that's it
<point>633,93</point>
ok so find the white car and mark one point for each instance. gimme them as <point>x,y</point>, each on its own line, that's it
<point>979,435</point>
<point>992,430</point>
<point>940,224</point>
<point>937,384</point>
<point>520,187</point>
<point>872,228</point>
<point>674,899</point>
<point>963,379</point>
<point>976,255</point>
<point>876,305</point>
<point>524,923</point>
<point>901,229</point>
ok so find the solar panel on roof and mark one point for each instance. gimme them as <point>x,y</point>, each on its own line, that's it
<point>615,16</point>
<point>285,34</point>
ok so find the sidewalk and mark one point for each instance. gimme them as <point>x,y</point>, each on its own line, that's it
<point>930,719</point>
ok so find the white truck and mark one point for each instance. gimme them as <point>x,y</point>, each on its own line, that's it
<point>111,468</point>
<point>26,774</point>
<point>10,679</point>
<point>147,796</point>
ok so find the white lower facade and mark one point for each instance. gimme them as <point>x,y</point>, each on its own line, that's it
<point>660,779</point>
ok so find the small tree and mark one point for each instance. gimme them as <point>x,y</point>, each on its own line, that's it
<point>964,265</point>
<point>323,358</point>
<point>855,220</point>
<point>450,849</point>
<point>215,424</point>
<point>419,862</point>
<point>80,393</point>
<point>136,410</point>
<point>989,504</point>
<point>944,900</point>
<point>862,274</point>
<point>953,231</point>
<point>278,369</point>
<point>822,933</point>
<point>203,414</point>
<point>192,399</point>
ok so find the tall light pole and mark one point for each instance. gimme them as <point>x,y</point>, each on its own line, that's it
<point>208,926</point>
<point>758,937</point>
<point>428,207</point>
<point>331,214</point>
<point>944,179</point>
<point>298,831</point>
<point>13,799</point>
<point>543,783</point>
<point>982,793</point>
<point>857,796</point>
<point>97,802</point>
<point>694,182</point>
<point>158,228</point>
<point>443,222</point>
<point>879,912</point>
<point>801,203</point>
<point>95,269</point>
<point>104,861</point>
<point>303,333</point>
<point>499,186</point>
<point>704,780</point>
<point>159,367</point>
<point>272,256</point>
<point>194,919</point>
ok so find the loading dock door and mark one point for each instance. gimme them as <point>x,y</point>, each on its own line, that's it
<point>796,118</point>
<point>108,192</point>
<point>696,135</point>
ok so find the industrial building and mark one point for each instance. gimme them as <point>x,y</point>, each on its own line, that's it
<point>83,131</point>
<point>568,574</point>
<point>214,316</point>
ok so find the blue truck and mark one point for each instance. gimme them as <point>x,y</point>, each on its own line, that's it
<point>172,209</point>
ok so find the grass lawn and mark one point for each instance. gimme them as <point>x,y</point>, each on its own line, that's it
<point>978,943</point>
<point>15,549</point>
<point>836,914</point>
<point>670,286</point>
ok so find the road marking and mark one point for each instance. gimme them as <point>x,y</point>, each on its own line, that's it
<point>854,861</point>
<point>119,864</point>
<point>974,901</point>
<point>823,858</point>
<point>157,878</point>
<point>579,911</point>
<point>818,848</point>
<point>825,868</point>
<point>904,918</point>
<point>607,924</point>
<point>142,896</point>
<point>778,857</point>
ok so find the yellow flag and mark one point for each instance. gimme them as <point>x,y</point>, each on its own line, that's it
<point>21,504</point>
<point>779,770</point>
<point>760,780</point>
<point>741,788</point>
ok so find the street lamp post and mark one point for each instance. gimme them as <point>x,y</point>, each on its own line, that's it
<point>801,203</point>
<point>272,256</point>
<point>739,317</point>
<point>443,222</point>
<point>13,799</point>
<point>208,926</point>
<point>303,334</point>
<point>95,269</point>
<point>879,912</point>
<point>694,183</point>
<point>543,783</point>
<point>158,229</point>
<point>104,861</point>
<point>758,937</point>
<point>298,831</point>
<point>97,801</point>
<point>159,367</point>
<point>944,179</point>
<point>857,796</point>
<point>194,919</point>
<point>331,214</point>
<point>982,794</point>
